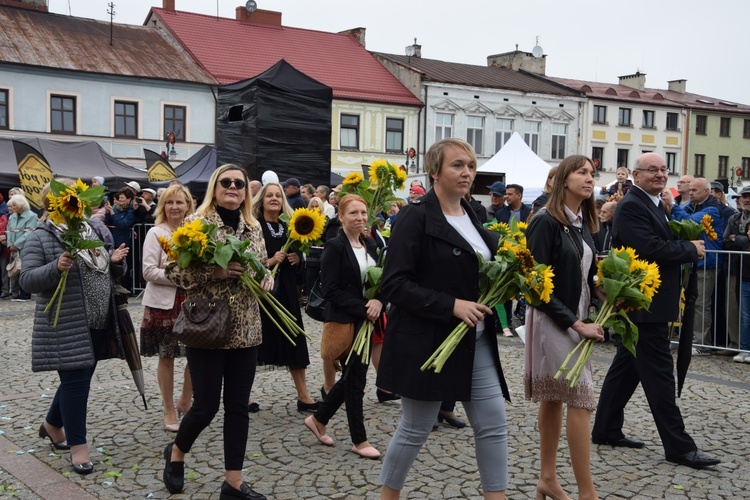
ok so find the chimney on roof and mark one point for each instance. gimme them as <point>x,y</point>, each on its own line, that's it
<point>519,59</point>
<point>635,81</point>
<point>39,5</point>
<point>357,33</point>
<point>259,16</point>
<point>167,5</point>
<point>678,85</point>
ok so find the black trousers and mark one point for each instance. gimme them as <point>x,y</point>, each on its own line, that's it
<point>653,368</point>
<point>350,388</point>
<point>208,369</point>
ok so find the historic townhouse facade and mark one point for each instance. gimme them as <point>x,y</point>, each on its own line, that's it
<point>60,78</point>
<point>486,104</point>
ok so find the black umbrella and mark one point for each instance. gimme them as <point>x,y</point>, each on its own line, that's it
<point>685,345</point>
<point>130,344</point>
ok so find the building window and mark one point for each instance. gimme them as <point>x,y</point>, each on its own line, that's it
<point>746,168</point>
<point>350,132</point>
<point>559,134</point>
<point>443,126</point>
<point>671,162</point>
<point>394,135</point>
<point>62,114</point>
<point>622,157</point>
<point>648,119</point>
<point>624,118</point>
<point>503,131</point>
<point>597,155</point>
<point>4,114</point>
<point>700,162</point>
<point>600,114</point>
<point>475,132</point>
<point>724,127</point>
<point>174,121</point>
<point>745,129</point>
<point>672,121</point>
<point>126,119</point>
<point>723,166</point>
<point>700,124</point>
<point>531,135</point>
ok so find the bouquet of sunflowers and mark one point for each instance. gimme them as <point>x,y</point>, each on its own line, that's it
<point>629,283</point>
<point>378,191</point>
<point>512,272</point>
<point>304,229</point>
<point>68,208</point>
<point>363,338</point>
<point>194,243</point>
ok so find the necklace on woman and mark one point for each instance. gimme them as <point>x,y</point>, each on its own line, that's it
<point>276,234</point>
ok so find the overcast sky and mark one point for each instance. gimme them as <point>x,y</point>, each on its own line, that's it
<point>702,42</point>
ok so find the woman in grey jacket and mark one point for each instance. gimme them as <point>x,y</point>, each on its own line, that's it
<point>86,330</point>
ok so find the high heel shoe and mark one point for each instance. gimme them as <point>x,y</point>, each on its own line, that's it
<point>543,491</point>
<point>83,469</point>
<point>450,420</point>
<point>62,445</point>
<point>386,396</point>
<point>301,406</point>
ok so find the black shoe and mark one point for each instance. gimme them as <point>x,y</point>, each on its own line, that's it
<point>435,425</point>
<point>694,459</point>
<point>245,492</point>
<point>62,445</point>
<point>253,407</point>
<point>453,422</point>
<point>82,469</point>
<point>174,472</point>
<point>313,407</point>
<point>387,396</point>
<point>623,442</point>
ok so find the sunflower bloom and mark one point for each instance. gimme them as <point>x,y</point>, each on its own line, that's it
<point>352,179</point>
<point>165,245</point>
<point>306,225</point>
<point>378,171</point>
<point>707,223</point>
<point>500,228</point>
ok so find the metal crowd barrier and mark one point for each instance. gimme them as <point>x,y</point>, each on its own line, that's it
<point>135,265</point>
<point>718,310</point>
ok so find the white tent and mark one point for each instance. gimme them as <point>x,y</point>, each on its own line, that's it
<point>521,166</point>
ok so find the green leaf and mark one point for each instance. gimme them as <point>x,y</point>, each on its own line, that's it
<point>89,244</point>
<point>223,254</point>
<point>191,475</point>
<point>57,187</point>
<point>112,474</point>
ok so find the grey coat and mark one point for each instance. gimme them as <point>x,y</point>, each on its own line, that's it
<point>69,345</point>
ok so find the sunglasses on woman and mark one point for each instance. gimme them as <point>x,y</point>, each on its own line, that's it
<point>238,183</point>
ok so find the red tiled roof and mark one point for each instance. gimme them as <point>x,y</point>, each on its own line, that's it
<point>617,92</point>
<point>434,70</point>
<point>72,43</point>
<point>231,50</point>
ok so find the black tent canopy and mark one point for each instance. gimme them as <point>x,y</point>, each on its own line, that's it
<point>279,120</point>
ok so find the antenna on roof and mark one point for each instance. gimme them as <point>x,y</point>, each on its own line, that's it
<point>537,51</point>
<point>111,13</point>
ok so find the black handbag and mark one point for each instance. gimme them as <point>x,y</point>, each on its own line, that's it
<point>315,302</point>
<point>204,323</point>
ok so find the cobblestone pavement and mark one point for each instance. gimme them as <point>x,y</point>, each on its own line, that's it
<point>284,460</point>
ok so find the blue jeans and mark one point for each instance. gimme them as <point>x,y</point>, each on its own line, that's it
<point>745,325</point>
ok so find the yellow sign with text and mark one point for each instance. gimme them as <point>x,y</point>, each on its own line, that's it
<point>34,173</point>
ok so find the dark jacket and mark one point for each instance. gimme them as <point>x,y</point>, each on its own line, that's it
<point>641,225</point>
<point>341,281</point>
<point>549,244</point>
<point>296,201</point>
<point>739,243</point>
<point>503,215</point>
<point>603,239</point>
<point>478,209</point>
<point>68,346</point>
<point>429,266</point>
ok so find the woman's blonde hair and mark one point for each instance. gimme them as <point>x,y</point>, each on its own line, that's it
<point>320,204</point>
<point>209,201</point>
<point>433,158</point>
<point>258,200</point>
<point>556,203</point>
<point>159,215</point>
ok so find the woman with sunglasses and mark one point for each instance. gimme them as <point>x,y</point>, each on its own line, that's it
<point>228,206</point>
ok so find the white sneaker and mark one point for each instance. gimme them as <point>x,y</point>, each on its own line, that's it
<point>740,358</point>
<point>507,332</point>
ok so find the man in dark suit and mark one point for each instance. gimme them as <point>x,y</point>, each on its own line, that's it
<point>641,223</point>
